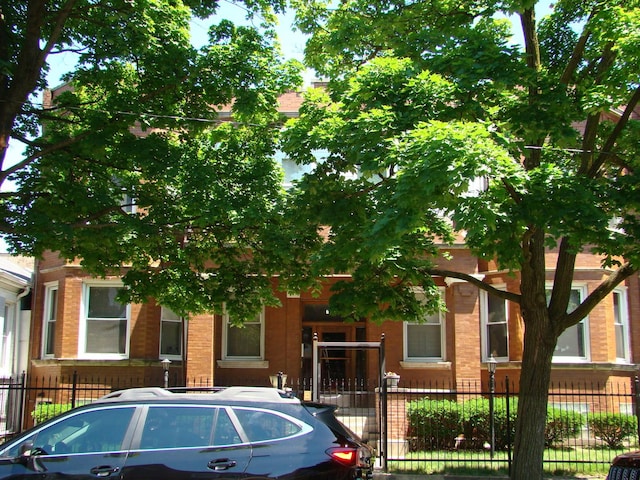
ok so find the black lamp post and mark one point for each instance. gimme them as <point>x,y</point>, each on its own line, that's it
<point>165,367</point>
<point>491,367</point>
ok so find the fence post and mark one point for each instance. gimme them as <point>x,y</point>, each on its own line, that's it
<point>508,412</point>
<point>74,387</point>
<point>23,399</point>
<point>636,391</point>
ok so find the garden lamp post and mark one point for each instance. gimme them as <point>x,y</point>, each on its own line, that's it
<point>491,367</point>
<point>165,367</point>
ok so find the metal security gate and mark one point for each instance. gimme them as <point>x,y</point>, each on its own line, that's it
<point>381,410</point>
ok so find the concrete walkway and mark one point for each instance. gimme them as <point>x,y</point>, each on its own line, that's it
<point>404,476</point>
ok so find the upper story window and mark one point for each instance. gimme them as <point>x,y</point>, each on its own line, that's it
<point>171,335</point>
<point>292,171</point>
<point>621,324</point>
<point>128,204</point>
<point>245,342</point>
<point>425,341</point>
<point>50,317</point>
<point>104,326</point>
<point>573,343</point>
<point>494,318</point>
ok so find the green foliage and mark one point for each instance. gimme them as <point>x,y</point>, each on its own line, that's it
<point>477,422</point>
<point>613,428</point>
<point>562,424</point>
<point>434,423</point>
<point>442,424</point>
<point>523,143</point>
<point>45,411</point>
<point>136,165</point>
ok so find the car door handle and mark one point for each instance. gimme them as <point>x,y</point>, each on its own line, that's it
<point>221,464</point>
<point>104,470</point>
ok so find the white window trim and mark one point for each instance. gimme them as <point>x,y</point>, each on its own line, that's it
<point>7,318</point>
<point>225,324</point>
<point>484,323</point>
<point>183,334</point>
<point>49,287</point>
<point>582,288</point>
<point>624,322</point>
<point>82,331</point>
<point>443,336</point>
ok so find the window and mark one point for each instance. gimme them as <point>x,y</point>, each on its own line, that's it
<point>621,325</point>
<point>572,344</point>
<point>170,335</point>
<point>99,430</point>
<point>261,425</point>
<point>178,427</point>
<point>105,329</point>
<point>292,171</point>
<point>494,317</point>
<point>50,315</point>
<point>6,332</point>
<point>245,342</point>
<point>424,341</point>
<point>128,204</point>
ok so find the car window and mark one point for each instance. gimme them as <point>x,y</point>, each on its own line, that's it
<point>177,426</point>
<point>225,433</point>
<point>260,425</point>
<point>100,430</point>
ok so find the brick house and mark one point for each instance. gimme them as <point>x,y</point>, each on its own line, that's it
<point>77,327</point>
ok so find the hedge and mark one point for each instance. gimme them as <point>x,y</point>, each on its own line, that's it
<point>445,424</point>
<point>613,428</point>
<point>45,411</point>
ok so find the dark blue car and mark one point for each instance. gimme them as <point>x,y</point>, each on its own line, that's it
<point>153,434</point>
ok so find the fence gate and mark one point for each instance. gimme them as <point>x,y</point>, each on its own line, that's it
<point>381,420</point>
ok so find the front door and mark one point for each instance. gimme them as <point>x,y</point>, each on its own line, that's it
<point>338,365</point>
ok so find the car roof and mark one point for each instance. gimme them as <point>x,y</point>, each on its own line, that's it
<point>236,394</point>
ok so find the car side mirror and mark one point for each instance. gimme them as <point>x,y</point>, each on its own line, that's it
<point>24,452</point>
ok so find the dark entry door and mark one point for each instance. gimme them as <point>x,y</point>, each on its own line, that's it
<point>337,365</point>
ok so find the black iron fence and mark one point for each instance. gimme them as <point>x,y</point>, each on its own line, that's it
<point>438,427</point>
<point>425,427</point>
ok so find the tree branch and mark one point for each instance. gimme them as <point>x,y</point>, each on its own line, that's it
<point>617,130</point>
<point>563,276</point>
<point>512,297</point>
<point>604,289</point>
<point>576,56</point>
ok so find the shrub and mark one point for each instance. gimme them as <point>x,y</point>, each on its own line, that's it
<point>45,411</point>
<point>613,428</point>
<point>434,424</point>
<point>505,430</point>
<point>561,424</point>
<point>477,422</point>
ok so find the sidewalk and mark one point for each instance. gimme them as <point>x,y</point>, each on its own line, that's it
<point>404,476</point>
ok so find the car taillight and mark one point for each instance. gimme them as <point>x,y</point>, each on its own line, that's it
<point>352,457</point>
<point>346,456</point>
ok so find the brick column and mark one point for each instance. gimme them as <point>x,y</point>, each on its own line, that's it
<point>200,348</point>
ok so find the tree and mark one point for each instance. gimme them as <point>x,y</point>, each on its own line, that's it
<point>427,96</point>
<point>134,165</point>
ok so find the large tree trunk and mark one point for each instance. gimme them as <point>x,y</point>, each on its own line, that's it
<point>540,340</point>
<point>532,402</point>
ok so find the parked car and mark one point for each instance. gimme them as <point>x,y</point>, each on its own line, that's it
<point>154,434</point>
<point>625,467</point>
